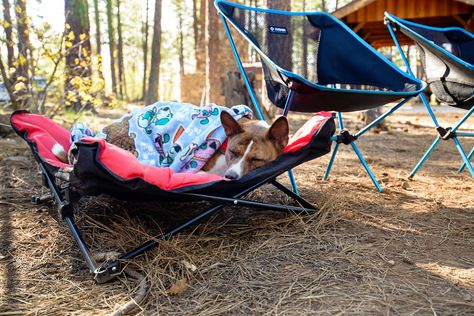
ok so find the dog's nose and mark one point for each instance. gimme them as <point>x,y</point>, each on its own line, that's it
<point>231,175</point>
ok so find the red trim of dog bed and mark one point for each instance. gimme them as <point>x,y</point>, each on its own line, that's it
<point>45,133</point>
<point>303,136</point>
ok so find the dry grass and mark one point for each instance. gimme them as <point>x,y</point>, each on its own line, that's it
<point>406,251</point>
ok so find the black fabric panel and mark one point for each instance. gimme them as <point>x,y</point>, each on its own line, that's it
<point>93,178</point>
<point>453,93</point>
<point>344,59</point>
<point>309,99</point>
<point>450,81</point>
<point>455,41</point>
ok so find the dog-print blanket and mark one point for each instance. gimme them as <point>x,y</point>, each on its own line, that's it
<point>180,136</point>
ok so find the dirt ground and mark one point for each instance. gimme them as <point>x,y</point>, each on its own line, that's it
<point>409,250</point>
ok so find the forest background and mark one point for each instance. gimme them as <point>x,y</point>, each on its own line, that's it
<point>76,55</point>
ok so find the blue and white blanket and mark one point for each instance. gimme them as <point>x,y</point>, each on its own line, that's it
<point>180,136</point>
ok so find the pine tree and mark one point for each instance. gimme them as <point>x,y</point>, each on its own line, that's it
<point>7,25</point>
<point>112,48</point>
<point>78,60</point>
<point>22,76</point>
<point>121,70</point>
<point>98,37</point>
<point>154,79</point>
<point>145,51</point>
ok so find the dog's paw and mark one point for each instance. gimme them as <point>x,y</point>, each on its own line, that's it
<point>60,153</point>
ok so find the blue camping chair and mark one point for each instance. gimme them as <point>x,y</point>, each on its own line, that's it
<point>313,62</point>
<point>447,56</point>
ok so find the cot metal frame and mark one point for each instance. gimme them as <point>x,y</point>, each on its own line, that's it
<point>64,200</point>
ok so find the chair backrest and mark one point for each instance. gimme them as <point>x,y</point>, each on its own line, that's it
<point>316,50</point>
<point>447,56</point>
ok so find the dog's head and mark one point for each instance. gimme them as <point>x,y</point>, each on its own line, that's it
<point>252,144</point>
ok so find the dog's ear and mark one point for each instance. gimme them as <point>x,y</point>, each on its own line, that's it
<point>278,132</point>
<point>231,126</point>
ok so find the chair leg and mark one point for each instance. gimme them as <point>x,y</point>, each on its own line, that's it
<point>425,157</point>
<point>464,156</point>
<point>366,166</point>
<point>461,169</point>
<point>293,182</point>
<point>331,161</point>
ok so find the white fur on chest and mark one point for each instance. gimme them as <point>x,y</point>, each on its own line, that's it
<point>220,167</point>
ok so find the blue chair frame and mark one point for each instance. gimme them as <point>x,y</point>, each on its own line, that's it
<point>445,133</point>
<point>344,136</point>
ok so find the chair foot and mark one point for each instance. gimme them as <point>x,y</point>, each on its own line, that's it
<point>464,156</point>
<point>425,157</point>
<point>331,161</point>
<point>366,167</point>
<point>461,169</point>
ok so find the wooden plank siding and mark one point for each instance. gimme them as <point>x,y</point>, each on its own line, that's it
<point>366,16</point>
<point>408,9</point>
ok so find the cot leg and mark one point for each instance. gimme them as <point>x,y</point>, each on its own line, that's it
<point>425,157</point>
<point>461,169</point>
<point>366,166</point>
<point>310,207</point>
<point>331,161</point>
<point>464,156</point>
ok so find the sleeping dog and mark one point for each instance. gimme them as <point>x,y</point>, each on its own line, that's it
<point>250,143</point>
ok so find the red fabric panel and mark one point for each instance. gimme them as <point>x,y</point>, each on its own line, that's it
<point>303,136</point>
<point>125,165</point>
<point>44,133</point>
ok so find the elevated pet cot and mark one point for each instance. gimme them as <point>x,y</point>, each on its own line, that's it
<point>335,71</point>
<point>102,168</point>
<point>447,56</point>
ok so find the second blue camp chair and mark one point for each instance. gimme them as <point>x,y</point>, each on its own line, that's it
<point>314,62</point>
<point>447,56</point>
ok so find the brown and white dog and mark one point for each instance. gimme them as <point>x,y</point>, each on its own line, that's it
<point>251,144</point>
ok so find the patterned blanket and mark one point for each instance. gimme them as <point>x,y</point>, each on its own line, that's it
<point>180,136</point>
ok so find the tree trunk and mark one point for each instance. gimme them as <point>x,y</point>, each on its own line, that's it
<point>179,7</point>
<point>8,85</point>
<point>98,40</point>
<point>111,32</point>
<point>78,55</point>
<point>121,69</point>
<point>195,26</point>
<point>154,79</point>
<point>212,46</point>
<point>24,54</point>
<point>145,51</point>
<point>235,91</point>
<point>305,47</point>
<point>371,115</point>
<point>323,6</point>
<point>279,47</point>
<point>201,48</point>
<point>8,32</point>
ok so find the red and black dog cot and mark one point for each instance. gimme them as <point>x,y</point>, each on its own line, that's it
<point>102,168</point>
